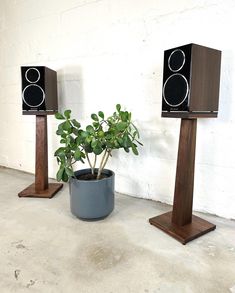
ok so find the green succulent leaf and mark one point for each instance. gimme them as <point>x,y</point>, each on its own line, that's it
<point>94,117</point>
<point>69,172</point>
<point>126,150</point>
<point>94,143</point>
<point>88,148</point>
<point>60,152</point>
<point>127,141</point>
<point>78,140</point>
<point>59,132</point>
<point>77,155</point>
<point>76,123</point>
<point>67,113</point>
<point>101,133</point>
<point>59,116</point>
<point>88,139</point>
<point>124,116</point>
<point>84,134</point>
<point>96,124</point>
<point>90,129</point>
<point>75,131</point>
<point>65,177</point>
<point>66,126</point>
<point>118,107</point>
<point>60,172</point>
<point>98,150</point>
<point>121,126</point>
<point>120,141</point>
<point>134,150</point>
<point>101,114</point>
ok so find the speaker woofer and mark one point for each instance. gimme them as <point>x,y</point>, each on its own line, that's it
<point>176,60</point>
<point>32,75</point>
<point>175,90</point>
<point>33,95</point>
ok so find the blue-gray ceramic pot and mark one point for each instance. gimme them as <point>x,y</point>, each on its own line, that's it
<point>92,199</point>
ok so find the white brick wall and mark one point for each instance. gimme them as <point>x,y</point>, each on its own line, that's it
<point>110,51</point>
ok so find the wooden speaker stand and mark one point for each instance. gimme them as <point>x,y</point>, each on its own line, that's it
<point>41,187</point>
<point>180,223</point>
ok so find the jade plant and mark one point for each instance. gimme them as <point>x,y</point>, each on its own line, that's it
<point>99,138</point>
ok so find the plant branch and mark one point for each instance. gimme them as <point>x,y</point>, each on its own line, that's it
<point>103,162</point>
<point>89,162</point>
<point>93,167</point>
<point>106,159</point>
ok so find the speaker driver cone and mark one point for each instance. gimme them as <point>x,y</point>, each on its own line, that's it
<point>176,60</point>
<point>32,75</point>
<point>175,90</point>
<point>33,95</point>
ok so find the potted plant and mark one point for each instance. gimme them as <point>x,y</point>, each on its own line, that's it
<point>92,190</point>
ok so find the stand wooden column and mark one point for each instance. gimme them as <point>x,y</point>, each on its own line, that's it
<point>180,223</point>
<point>41,187</point>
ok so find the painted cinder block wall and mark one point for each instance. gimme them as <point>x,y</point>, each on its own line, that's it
<point>111,51</point>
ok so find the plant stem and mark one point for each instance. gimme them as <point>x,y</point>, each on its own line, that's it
<point>106,159</point>
<point>89,162</point>
<point>103,162</point>
<point>93,167</point>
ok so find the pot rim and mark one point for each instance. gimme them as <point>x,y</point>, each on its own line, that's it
<point>93,180</point>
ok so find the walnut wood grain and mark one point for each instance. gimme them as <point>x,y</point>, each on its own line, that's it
<point>41,166</point>
<point>180,223</point>
<point>205,79</point>
<point>183,197</point>
<point>186,233</point>
<point>41,188</point>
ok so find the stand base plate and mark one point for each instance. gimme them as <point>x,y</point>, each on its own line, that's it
<point>186,233</point>
<point>30,191</point>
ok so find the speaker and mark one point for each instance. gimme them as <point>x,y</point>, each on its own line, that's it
<point>39,90</point>
<point>191,79</point>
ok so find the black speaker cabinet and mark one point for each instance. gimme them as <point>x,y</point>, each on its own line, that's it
<point>191,78</point>
<point>39,90</point>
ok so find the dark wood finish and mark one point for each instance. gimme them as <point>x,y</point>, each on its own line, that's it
<point>190,115</point>
<point>51,90</point>
<point>205,79</point>
<point>41,165</point>
<point>180,223</point>
<point>41,188</point>
<point>186,233</point>
<point>30,191</point>
<point>183,197</point>
<point>40,112</point>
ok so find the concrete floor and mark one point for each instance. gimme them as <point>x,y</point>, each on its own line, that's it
<point>43,248</point>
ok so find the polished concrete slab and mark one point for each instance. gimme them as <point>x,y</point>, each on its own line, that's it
<point>44,248</point>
